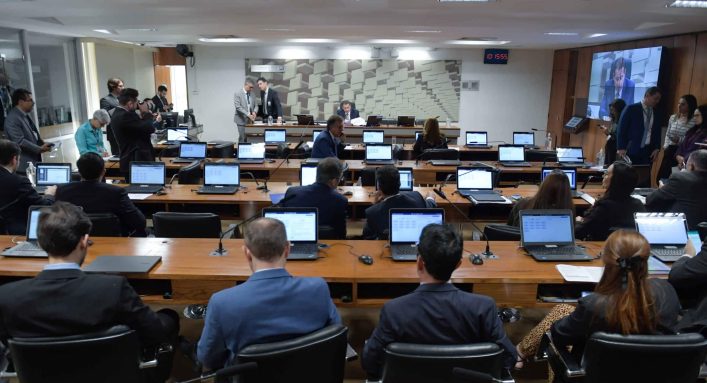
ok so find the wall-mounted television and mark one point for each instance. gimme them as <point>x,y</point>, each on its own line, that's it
<point>621,74</point>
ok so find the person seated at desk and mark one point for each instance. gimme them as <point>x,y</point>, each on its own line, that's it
<point>17,193</point>
<point>554,193</point>
<point>436,312</point>
<point>684,192</point>
<point>270,306</point>
<point>329,143</point>
<point>323,195</point>
<point>431,138</point>
<point>696,134</point>
<point>62,300</point>
<point>95,196</point>
<point>688,275</point>
<point>615,208</point>
<point>347,112</point>
<point>389,196</point>
<point>89,136</point>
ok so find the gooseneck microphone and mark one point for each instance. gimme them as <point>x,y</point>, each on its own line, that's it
<point>587,181</point>
<point>264,187</point>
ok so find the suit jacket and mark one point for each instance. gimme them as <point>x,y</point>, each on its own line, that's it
<point>605,214</point>
<point>325,147</point>
<point>17,195</point>
<point>109,103</point>
<point>627,94</point>
<point>630,132</point>
<point>684,192</point>
<point>331,205</point>
<point>270,306</point>
<point>99,197</point>
<point>436,314</point>
<point>377,216</point>
<point>274,107</point>
<point>19,130</point>
<point>133,136</point>
<point>353,113</point>
<point>161,104</point>
<point>689,277</point>
<point>241,103</point>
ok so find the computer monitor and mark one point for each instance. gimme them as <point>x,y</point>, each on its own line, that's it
<point>275,136</point>
<point>524,138</point>
<point>511,153</point>
<point>662,228</point>
<point>248,151</point>
<point>374,120</point>
<point>418,133</point>
<point>178,134</point>
<point>147,173</point>
<point>546,227</point>
<point>300,223</point>
<point>222,174</point>
<point>53,174</point>
<point>170,119</point>
<point>379,152</point>
<point>477,138</point>
<point>33,222</point>
<point>570,154</point>
<point>307,174</point>
<point>189,115</point>
<point>305,119</point>
<point>406,120</point>
<point>406,224</point>
<point>196,150</point>
<point>471,178</point>
<point>571,173</point>
<point>373,137</point>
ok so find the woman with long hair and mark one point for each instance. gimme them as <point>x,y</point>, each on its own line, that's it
<point>678,125</point>
<point>554,193</point>
<point>697,134</point>
<point>431,138</point>
<point>615,108</point>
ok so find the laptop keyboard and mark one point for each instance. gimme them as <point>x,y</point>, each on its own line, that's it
<point>560,250</point>
<point>217,189</point>
<point>406,250</point>
<point>27,246</point>
<point>304,248</point>
<point>667,252</point>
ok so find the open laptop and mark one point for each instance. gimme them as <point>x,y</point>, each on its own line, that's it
<point>526,139</point>
<point>571,156</point>
<point>571,173</point>
<point>379,154</point>
<point>548,235</point>
<point>406,120</point>
<point>221,178</point>
<point>374,120</point>
<point>418,133</point>
<point>315,133</point>
<point>146,177</point>
<point>49,174</point>
<point>305,119</point>
<point>405,228</point>
<point>190,152</point>
<point>373,137</point>
<point>477,140</point>
<point>275,136</point>
<point>177,135</point>
<point>301,227</point>
<point>307,174</point>
<point>666,232</point>
<point>249,153</point>
<point>512,156</point>
<point>29,248</point>
<point>477,184</point>
<point>406,180</point>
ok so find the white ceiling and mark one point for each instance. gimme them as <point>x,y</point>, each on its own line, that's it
<point>522,22</point>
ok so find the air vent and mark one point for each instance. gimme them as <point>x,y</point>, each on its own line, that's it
<point>50,20</point>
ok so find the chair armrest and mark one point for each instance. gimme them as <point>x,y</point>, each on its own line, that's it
<point>541,353</point>
<point>562,362</point>
<point>164,348</point>
<point>703,372</point>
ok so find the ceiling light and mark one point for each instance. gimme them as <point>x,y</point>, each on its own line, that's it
<point>561,33</point>
<point>106,31</point>
<point>593,35</point>
<point>423,31</point>
<point>311,41</point>
<point>466,1</point>
<point>226,40</point>
<point>414,54</point>
<point>294,53</point>
<point>139,29</point>
<point>688,4</point>
<point>354,53</point>
<point>278,29</point>
<point>392,41</point>
<point>129,42</point>
<point>478,42</point>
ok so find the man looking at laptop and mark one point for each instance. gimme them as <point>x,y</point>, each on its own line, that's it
<point>328,144</point>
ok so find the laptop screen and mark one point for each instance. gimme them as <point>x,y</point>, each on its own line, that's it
<point>315,133</point>
<point>177,134</point>
<point>570,155</point>
<point>251,151</point>
<point>379,152</point>
<point>417,135</point>
<point>523,138</point>
<point>406,180</point>
<point>53,174</point>
<point>373,137</point>
<point>476,138</point>
<point>662,229</point>
<point>474,178</point>
<point>222,174</point>
<point>406,224</point>
<point>307,174</point>
<point>570,173</point>
<point>511,153</point>
<point>33,222</point>
<point>192,150</point>
<point>147,173</point>
<point>300,224</point>
<point>275,136</point>
<point>541,228</point>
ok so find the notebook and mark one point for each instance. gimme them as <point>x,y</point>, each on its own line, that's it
<point>307,174</point>
<point>548,235</point>
<point>477,139</point>
<point>379,154</point>
<point>666,233</point>
<point>49,174</point>
<point>477,184</point>
<point>301,227</point>
<point>275,136</point>
<point>526,139</point>
<point>221,178</point>
<point>406,179</point>
<point>190,152</point>
<point>405,228</point>
<point>146,177</point>
<point>29,248</point>
<point>571,156</point>
<point>249,153</point>
<point>571,173</point>
<point>512,156</point>
<point>122,264</point>
<point>373,137</point>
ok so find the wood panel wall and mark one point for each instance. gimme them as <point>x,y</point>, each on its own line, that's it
<point>168,56</point>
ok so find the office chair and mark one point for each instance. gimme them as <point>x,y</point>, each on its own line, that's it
<point>186,225</point>
<point>702,230</point>
<point>418,363</point>
<point>540,155</point>
<point>190,174</point>
<point>327,232</point>
<point>223,150</point>
<point>501,232</point>
<point>317,357</point>
<point>368,176</point>
<point>439,154</point>
<point>105,225</point>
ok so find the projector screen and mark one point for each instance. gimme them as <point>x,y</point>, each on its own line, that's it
<point>621,74</point>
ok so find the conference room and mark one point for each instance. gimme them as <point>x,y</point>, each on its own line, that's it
<point>355,190</point>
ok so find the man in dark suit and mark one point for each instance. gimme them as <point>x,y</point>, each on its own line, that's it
<point>436,312</point>
<point>5,100</point>
<point>618,86</point>
<point>388,196</point>
<point>323,195</point>
<point>638,133</point>
<point>329,143</point>
<point>346,111</point>
<point>132,131</point>
<point>688,275</point>
<point>271,305</point>
<point>95,196</point>
<point>270,102</point>
<point>684,192</point>
<point>62,300</point>
<point>17,193</point>
<point>20,128</point>
<point>160,100</point>
<point>109,103</point>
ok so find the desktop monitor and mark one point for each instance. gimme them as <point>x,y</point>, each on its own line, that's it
<point>170,119</point>
<point>406,120</point>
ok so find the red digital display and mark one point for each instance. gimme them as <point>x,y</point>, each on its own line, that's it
<point>496,56</point>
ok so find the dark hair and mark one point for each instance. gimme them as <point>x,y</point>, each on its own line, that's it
<point>127,95</point>
<point>328,169</point>
<point>388,179</point>
<point>440,249</point>
<point>113,83</point>
<point>266,238</point>
<point>333,120</point>
<point>652,91</point>
<point>431,132</point>
<point>161,88</point>
<point>699,159</point>
<point>20,95</point>
<point>345,102</point>
<point>554,193</point>
<point>623,180</point>
<point>618,105</point>
<point>90,166</point>
<point>691,105</point>
<point>8,150</point>
<point>261,79</point>
<point>61,227</point>
<point>618,63</point>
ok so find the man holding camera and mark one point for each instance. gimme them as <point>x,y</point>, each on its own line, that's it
<point>133,126</point>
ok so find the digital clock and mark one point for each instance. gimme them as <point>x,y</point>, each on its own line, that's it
<point>496,56</point>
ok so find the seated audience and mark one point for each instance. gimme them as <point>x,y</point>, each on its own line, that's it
<point>96,196</point>
<point>270,306</point>
<point>696,134</point>
<point>684,192</point>
<point>615,208</point>
<point>389,196</point>
<point>554,193</point>
<point>436,312</point>
<point>89,136</point>
<point>17,193</point>
<point>431,138</point>
<point>323,195</point>
<point>328,144</point>
<point>689,277</point>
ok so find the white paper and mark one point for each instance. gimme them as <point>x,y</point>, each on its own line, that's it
<point>580,273</point>
<point>138,196</point>
<point>588,198</point>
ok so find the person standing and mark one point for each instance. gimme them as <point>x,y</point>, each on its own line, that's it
<point>639,129</point>
<point>615,108</point>
<point>246,110</point>
<point>5,100</point>
<point>697,134</point>
<point>21,129</point>
<point>160,100</point>
<point>678,125</point>
<point>270,102</point>
<point>133,131</point>
<point>109,103</point>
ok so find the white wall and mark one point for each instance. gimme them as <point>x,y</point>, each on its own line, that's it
<point>134,65</point>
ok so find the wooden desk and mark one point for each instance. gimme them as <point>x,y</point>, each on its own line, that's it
<point>353,133</point>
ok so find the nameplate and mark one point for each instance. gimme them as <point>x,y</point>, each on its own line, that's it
<point>267,68</point>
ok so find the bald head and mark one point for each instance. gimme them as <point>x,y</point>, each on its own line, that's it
<point>697,161</point>
<point>266,239</point>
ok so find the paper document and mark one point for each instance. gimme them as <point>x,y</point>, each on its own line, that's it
<point>580,273</point>
<point>138,196</point>
<point>588,198</point>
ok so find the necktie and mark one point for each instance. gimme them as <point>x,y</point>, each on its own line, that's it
<point>247,96</point>
<point>34,128</point>
<point>647,115</point>
<point>265,103</point>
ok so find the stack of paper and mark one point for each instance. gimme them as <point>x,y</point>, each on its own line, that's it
<point>580,273</point>
<point>656,267</point>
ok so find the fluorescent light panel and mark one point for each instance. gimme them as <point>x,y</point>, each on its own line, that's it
<point>226,40</point>
<point>688,4</point>
<point>593,35</point>
<point>561,33</point>
<point>311,41</point>
<point>423,31</point>
<point>392,41</point>
<point>106,31</point>
<point>477,42</point>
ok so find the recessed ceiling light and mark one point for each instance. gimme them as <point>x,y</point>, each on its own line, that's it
<point>466,1</point>
<point>688,4</point>
<point>106,31</point>
<point>423,31</point>
<point>226,39</point>
<point>278,29</point>
<point>561,33</point>
<point>139,29</point>
<point>478,42</point>
<point>593,35</point>
<point>392,41</point>
<point>311,41</point>
<point>129,42</point>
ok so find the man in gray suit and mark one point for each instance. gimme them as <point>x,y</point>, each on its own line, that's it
<point>245,108</point>
<point>20,129</point>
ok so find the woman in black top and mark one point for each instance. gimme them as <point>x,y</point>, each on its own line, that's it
<point>615,108</point>
<point>554,193</point>
<point>615,208</point>
<point>431,138</point>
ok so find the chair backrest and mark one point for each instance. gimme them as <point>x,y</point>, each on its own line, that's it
<point>318,357</point>
<point>186,225</point>
<point>540,155</point>
<point>418,363</point>
<point>111,356</point>
<point>440,154</point>
<point>190,174</point>
<point>368,177</point>
<point>105,225</point>
<point>702,230</point>
<point>501,232</point>
<point>617,358</point>
<point>223,150</point>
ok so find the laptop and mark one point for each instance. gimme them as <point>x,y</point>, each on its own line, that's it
<point>548,235</point>
<point>146,177</point>
<point>374,120</point>
<point>221,178</point>
<point>379,154</point>
<point>249,153</point>
<point>275,136</point>
<point>29,248</point>
<point>405,228</point>
<point>373,137</point>
<point>512,156</point>
<point>49,174</point>
<point>571,156</point>
<point>571,173</point>
<point>190,152</point>
<point>526,139</point>
<point>305,119</point>
<point>477,184</point>
<point>301,227</point>
<point>666,233</point>
<point>122,264</point>
<point>177,135</point>
<point>315,133</point>
<point>406,120</point>
<point>307,174</point>
<point>406,180</point>
<point>477,140</point>
<point>418,133</point>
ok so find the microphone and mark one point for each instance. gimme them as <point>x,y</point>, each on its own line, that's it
<point>587,181</point>
<point>474,376</point>
<point>252,176</point>
<point>264,187</point>
<point>168,147</point>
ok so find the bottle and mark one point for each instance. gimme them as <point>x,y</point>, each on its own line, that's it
<point>394,140</point>
<point>358,182</point>
<point>31,172</point>
<point>600,158</point>
<point>269,120</point>
<point>548,141</point>
<point>449,123</point>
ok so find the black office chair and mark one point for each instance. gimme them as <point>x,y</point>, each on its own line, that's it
<point>368,176</point>
<point>318,357</point>
<point>190,174</point>
<point>105,225</point>
<point>501,232</point>
<point>439,154</point>
<point>327,232</point>
<point>538,155</point>
<point>186,225</point>
<point>223,150</point>
<point>423,363</point>
<point>614,358</point>
<point>702,230</point>
<point>75,177</point>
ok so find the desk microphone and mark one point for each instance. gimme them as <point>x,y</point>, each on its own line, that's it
<point>587,181</point>
<point>252,176</point>
<point>168,147</point>
<point>264,187</point>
